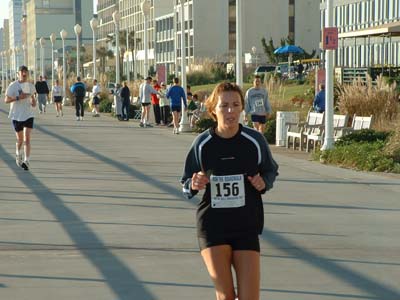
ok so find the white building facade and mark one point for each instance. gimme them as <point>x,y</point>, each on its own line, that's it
<point>209,29</point>
<point>52,16</point>
<point>15,10</point>
<point>369,32</point>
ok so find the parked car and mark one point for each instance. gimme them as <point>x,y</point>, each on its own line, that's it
<point>261,70</point>
<point>111,87</point>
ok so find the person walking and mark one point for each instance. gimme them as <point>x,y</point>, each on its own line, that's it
<point>42,90</point>
<point>155,102</point>
<point>164,104</point>
<point>57,93</point>
<point>118,101</point>
<point>177,94</point>
<point>78,89</point>
<point>319,100</point>
<point>145,91</point>
<point>257,105</point>
<point>96,98</point>
<point>126,101</point>
<point>234,165</point>
<point>20,96</point>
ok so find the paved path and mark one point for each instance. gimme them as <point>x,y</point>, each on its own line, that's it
<point>100,216</point>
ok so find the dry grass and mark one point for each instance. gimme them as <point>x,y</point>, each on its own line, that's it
<point>392,148</point>
<point>379,100</point>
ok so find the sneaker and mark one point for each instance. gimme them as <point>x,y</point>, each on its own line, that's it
<point>25,165</point>
<point>145,125</point>
<point>141,124</point>
<point>81,118</point>
<point>57,115</point>
<point>149,125</point>
<point>78,118</point>
<point>18,160</point>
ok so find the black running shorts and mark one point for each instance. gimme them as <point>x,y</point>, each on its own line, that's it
<point>19,126</point>
<point>250,242</point>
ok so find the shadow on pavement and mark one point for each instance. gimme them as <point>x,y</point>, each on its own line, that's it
<point>81,234</point>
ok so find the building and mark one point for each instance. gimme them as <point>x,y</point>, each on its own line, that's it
<point>15,9</point>
<point>209,33</point>
<point>51,16</point>
<point>369,32</point>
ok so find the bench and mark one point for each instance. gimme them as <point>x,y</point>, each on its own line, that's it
<point>299,130</point>
<point>358,123</point>
<point>317,135</point>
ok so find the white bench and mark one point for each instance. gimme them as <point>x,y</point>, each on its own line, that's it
<point>357,123</point>
<point>299,130</point>
<point>317,135</point>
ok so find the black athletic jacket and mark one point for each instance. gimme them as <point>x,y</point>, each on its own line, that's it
<point>246,153</point>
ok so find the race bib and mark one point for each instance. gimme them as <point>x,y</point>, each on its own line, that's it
<point>227,191</point>
<point>259,102</point>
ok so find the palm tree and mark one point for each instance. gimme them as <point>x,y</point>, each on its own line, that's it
<point>103,53</point>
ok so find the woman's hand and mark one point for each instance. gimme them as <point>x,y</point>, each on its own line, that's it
<point>199,181</point>
<point>257,182</point>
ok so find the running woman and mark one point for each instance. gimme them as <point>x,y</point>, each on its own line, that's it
<point>20,94</point>
<point>57,97</point>
<point>234,165</point>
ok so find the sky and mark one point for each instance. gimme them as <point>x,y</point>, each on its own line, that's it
<point>3,11</point>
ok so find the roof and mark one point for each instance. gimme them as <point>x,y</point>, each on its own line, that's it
<point>388,29</point>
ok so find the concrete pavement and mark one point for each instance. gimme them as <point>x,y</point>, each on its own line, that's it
<point>100,216</point>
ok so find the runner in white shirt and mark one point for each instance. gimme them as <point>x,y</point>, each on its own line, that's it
<point>57,98</point>
<point>20,94</point>
<point>96,99</point>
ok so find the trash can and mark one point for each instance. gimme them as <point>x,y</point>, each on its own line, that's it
<point>281,118</point>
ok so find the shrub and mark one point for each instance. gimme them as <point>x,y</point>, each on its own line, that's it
<point>364,135</point>
<point>270,131</point>
<point>105,105</point>
<point>204,124</point>
<point>392,147</point>
<point>200,78</point>
<point>364,156</point>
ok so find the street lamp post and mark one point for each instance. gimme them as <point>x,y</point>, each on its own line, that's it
<point>42,43</point>
<point>10,66</point>
<point>146,5</point>
<point>63,35</point>
<point>254,51</point>
<point>16,51</point>
<point>34,44</point>
<point>329,58</point>
<point>239,59</point>
<point>116,18</point>
<point>93,24</point>
<point>128,71</point>
<point>24,53</point>
<point>184,124</point>
<point>52,40</point>
<point>77,29</point>
<point>2,72</point>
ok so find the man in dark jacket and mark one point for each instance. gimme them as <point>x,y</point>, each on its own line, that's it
<point>78,89</point>
<point>125,95</point>
<point>42,90</point>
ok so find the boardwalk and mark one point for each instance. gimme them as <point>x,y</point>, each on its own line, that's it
<point>100,216</point>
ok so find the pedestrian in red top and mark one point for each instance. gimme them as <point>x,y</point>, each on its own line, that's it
<point>156,103</point>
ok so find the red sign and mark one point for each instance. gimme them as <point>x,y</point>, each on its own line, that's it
<point>330,38</point>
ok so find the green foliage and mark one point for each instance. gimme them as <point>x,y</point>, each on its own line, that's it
<point>200,78</point>
<point>270,131</point>
<point>204,124</point>
<point>364,135</point>
<point>275,58</point>
<point>364,156</point>
<point>105,106</point>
